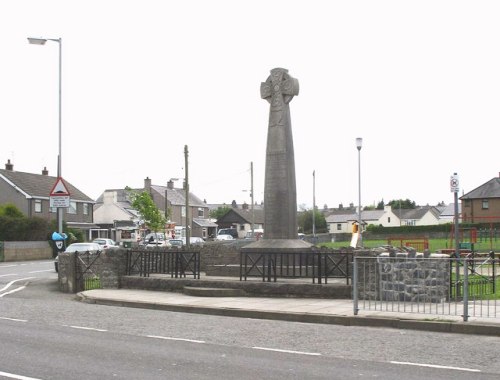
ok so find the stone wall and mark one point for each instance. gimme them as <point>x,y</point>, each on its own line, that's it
<point>110,267</point>
<point>404,277</point>
<point>26,250</point>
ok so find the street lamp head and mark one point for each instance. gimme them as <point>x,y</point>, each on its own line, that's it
<point>37,41</point>
<point>359,142</point>
<point>42,41</point>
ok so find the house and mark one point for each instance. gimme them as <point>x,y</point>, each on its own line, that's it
<point>482,205</point>
<point>342,221</point>
<point>420,216</point>
<point>30,193</point>
<point>447,213</point>
<point>242,219</point>
<point>114,205</point>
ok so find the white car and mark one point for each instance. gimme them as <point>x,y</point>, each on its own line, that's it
<point>105,243</point>
<point>224,237</point>
<point>80,248</point>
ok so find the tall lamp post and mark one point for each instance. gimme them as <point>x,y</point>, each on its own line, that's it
<point>42,41</point>
<point>359,144</point>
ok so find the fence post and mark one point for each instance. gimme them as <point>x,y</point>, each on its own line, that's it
<point>466,289</point>
<point>355,285</point>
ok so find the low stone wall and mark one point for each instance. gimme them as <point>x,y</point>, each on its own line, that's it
<point>110,267</point>
<point>26,250</point>
<point>405,279</point>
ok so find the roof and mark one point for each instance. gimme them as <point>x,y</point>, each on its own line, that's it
<point>236,215</point>
<point>204,222</point>
<point>39,185</point>
<point>417,213</point>
<point>490,189</point>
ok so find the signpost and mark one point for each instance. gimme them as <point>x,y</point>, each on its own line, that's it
<point>455,188</point>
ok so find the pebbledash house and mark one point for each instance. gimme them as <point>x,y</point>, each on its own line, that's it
<point>30,193</point>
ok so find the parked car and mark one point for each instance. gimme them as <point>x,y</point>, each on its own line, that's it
<point>158,244</point>
<point>224,237</point>
<point>229,231</point>
<point>105,243</point>
<point>195,240</point>
<point>91,248</point>
<point>176,243</point>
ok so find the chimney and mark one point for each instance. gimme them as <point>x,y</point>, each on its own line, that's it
<point>9,166</point>
<point>170,185</point>
<point>147,184</point>
<point>244,206</point>
<point>45,171</point>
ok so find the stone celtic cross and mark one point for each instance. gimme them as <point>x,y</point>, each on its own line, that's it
<point>280,193</point>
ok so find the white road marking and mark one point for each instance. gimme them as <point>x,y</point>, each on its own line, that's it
<point>171,338</point>
<point>7,266</point>
<point>14,319</point>
<point>40,271</point>
<point>13,281</point>
<point>288,351</point>
<point>437,366</point>
<point>13,376</point>
<point>12,291</point>
<point>86,328</point>
<point>10,274</point>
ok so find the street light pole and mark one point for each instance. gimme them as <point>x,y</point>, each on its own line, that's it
<point>359,144</point>
<point>314,208</point>
<point>42,41</point>
<point>188,225</point>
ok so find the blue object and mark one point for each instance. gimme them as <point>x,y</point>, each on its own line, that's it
<point>58,237</point>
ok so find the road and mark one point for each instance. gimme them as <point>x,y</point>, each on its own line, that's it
<point>46,334</point>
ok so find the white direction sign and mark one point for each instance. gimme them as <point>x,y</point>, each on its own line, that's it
<point>59,195</point>
<point>454,183</point>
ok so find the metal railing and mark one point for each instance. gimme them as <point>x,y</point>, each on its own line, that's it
<point>175,262</point>
<point>318,264</point>
<point>466,287</point>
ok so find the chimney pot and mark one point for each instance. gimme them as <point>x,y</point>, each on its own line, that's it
<point>9,166</point>
<point>45,171</point>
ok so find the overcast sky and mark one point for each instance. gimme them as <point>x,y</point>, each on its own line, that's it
<point>419,81</point>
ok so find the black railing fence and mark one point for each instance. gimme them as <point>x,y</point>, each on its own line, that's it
<point>317,264</point>
<point>175,262</point>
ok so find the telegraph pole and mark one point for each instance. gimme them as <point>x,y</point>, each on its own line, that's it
<point>186,184</point>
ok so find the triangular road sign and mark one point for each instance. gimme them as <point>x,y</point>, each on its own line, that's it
<point>59,188</point>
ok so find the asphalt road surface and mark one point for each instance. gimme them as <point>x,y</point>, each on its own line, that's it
<point>46,334</point>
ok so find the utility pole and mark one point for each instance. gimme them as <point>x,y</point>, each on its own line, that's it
<point>186,184</point>
<point>251,199</point>
<point>314,207</point>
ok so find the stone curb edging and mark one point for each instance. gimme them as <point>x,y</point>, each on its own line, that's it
<point>396,323</point>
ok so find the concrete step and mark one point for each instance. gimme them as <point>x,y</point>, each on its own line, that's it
<point>213,292</point>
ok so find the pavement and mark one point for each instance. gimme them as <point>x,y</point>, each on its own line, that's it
<point>306,310</point>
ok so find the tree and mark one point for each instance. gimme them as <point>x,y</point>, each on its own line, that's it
<point>143,203</point>
<point>219,212</point>
<point>403,204</point>
<point>10,210</point>
<point>305,222</point>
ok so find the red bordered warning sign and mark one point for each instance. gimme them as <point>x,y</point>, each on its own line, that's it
<point>59,195</point>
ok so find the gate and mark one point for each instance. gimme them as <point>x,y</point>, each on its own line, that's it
<point>87,270</point>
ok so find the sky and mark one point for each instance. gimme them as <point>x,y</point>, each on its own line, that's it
<point>418,81</point>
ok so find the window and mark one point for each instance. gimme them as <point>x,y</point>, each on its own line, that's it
<point>200,212</point>
<point>485,204</point>
<point>85,209</point>
<point>72,208</point>
<point>467,203</point>
<point>388,219</point>
<point>339,226</point>
<point>38,205</point>
<point>53,209</point>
